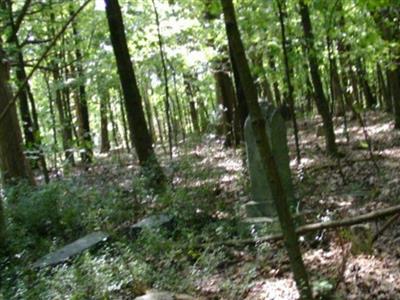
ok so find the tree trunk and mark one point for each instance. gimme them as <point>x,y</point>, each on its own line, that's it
<point>105,141</point>
<point>384,90</point>
<point>66,133</point>
<point>182,120</point>
<point>30,121</point>
<point>241,100</point>
<point>387,20</point>
<point>149,113</point>
<point>123,117</point>
<point>53,120</point>
<point>269,164</point>
<point>277,92</point>
<point>115,130</point>
<point>192,104</point>
<point>394,77</point>
<point>166,84</point>
<point>370,100</point>
<point>133,103</point>
<point>289,73</point>
<point>13,164</point>
<point>227,99</point>
<point>320,99</point>
<point>81,104</point>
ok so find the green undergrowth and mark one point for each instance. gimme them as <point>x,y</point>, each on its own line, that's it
<point>45,218</point>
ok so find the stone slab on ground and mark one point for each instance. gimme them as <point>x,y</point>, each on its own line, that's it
<point>70,250</point>
<point>154,295</point>
<point>151,223</point>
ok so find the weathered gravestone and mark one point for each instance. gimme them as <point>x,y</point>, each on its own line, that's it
<point>151,223</point>
<point>70,250</point>
<point>154,295</point>
<point>262,203</point>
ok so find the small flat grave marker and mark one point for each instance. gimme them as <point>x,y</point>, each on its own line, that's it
<point>71,250</point>
<point>152,222</point>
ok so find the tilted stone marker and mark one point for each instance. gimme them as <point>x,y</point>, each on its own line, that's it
<point>262,204</point>
<point>71,250</point>
<point>154,295</point>
<point>151,223</point>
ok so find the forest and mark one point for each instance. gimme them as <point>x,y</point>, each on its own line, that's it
<point>199,149</point>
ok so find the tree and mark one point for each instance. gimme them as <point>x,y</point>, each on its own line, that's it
<point>13,164</point>
<point>81,104</point>
<point>320,98</point>
<point>264,148</point>
<point>387,20</point>
<point>288,74</point>
<point>105,141</point>
<point>139,132</point>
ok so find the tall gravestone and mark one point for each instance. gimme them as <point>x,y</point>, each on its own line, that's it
<point>262,203</point>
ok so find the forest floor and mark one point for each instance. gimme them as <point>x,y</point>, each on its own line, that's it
<point>209,187</point>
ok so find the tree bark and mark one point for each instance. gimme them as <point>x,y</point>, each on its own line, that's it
<point>384,90</point>
<point>123,117</point>
<point>166,84</point>
<point>387,20</point>
<point>30,123</point>
<point>81,104</point>
<point>370,100</point>
<point>320,99</point>
<point>264,148</point>
<point>105,141</point>
<point>13,164</point>
<point>192,104</point>
<point>289,73</point>
<point>140,135</point>
<point>227,99</point>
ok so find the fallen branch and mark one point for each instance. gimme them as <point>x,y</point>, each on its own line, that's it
<point>319,226</point>
<point>332,165</point>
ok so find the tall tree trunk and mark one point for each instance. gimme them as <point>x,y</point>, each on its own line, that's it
<point>384,90</point>
<point>105,141</point>
<point>66,132</point>
<point>53,119</point>
<point>370,100</point>
<point>30,121</point>
<point>166,84</point>
<point>387,20</point>
<point>133,103</point>
<point>159,127</point>
<point>149,113</point>
<point>264,148</point>
<point>321,101</point>
<point>277,92</point>
<point>227,99</point>
<point>289,73</point>
<point>123,118</point>
<point>115,130</point>
<point>13,164</point>
<point>182,120</point>
<point>81,104</point>
<point>187,78</point>
<point>240,96</point>
<point>26,118</point>
<point>394,77</point>
<point>65,125</point>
